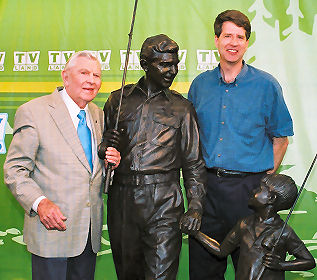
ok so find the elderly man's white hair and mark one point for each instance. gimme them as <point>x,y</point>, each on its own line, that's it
<point>76,55</point>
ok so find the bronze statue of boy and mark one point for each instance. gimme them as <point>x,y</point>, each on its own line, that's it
<point>256,234</point>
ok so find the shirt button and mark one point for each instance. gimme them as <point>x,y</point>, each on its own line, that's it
<point>219,155</point>
<point>227,90</point>
<point>220,139</point>
<point>222,122</point>
<point>224,106</point>
<point>88,204</point>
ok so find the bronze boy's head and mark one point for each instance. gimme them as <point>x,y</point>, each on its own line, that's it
<point>278,190</point>
<point>284,188</point>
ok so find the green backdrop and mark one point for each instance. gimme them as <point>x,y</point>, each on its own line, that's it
<point>37,36</point>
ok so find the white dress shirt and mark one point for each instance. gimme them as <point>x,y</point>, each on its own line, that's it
<point>73,110</point>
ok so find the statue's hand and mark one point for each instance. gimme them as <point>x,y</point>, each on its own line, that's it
<point>272,261</point>
<point>111,138</point>
<point>268,242</point>
<point>190,222</point>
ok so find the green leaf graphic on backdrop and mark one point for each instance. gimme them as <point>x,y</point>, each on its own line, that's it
<point>284,167</point>
<point>291,12</point>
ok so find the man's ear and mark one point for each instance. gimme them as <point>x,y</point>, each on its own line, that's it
<point>144,64</point>
<point>216,41</point>
<point>64,75</point>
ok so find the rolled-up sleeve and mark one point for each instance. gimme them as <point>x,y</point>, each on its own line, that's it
<point>193,166</point>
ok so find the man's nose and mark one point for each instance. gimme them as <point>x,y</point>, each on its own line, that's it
<point>90,78</point>
<point>234,41</point>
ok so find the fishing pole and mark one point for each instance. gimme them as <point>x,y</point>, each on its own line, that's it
<point>109,169</point>
<point>288,216</point>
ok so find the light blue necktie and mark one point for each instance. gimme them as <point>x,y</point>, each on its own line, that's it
<point>84,135</point>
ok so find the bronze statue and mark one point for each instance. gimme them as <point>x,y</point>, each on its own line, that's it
<point>158,137</point>
<point>256,234</point>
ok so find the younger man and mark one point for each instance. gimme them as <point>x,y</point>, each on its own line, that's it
<point>243,126</point>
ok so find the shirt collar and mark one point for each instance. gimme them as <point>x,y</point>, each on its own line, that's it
<point>240,76</point>
<point>139,86</point>
<point>72,107</point>
<point>274,220</point>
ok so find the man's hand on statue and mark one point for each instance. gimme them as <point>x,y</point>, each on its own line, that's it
<point>190,222</point>
<point>50,215</point>
<point>113,157</point>
<point>272,261</point>
<point>111,138</point>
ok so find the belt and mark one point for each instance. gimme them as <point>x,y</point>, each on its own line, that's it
<point>220,172</point>
<point>144,179</point>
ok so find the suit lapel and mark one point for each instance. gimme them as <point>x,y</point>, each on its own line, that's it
<point>61,117</point>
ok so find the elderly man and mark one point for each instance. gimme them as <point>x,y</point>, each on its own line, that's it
<point>53,171</point>
<point>159,137</point>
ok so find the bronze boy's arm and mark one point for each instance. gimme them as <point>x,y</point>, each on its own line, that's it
<point>210,244</point>
<point>294,246</point>
<point>229,244</point>
<point>304,261</point>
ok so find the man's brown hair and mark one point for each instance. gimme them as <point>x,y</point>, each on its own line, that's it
<point>234,16</point>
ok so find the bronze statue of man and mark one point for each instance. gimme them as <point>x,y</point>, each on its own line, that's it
<point>257,234</point>
<point>159,137</point>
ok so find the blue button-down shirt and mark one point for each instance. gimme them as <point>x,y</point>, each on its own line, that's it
<point>238,120</point>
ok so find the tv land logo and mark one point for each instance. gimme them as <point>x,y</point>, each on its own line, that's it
<point>182,59</point>
<point>207,59</point>
<point>3,122</point>
<point>104,58</point>
<point>26,61</point>
<point>58,59</point>
<point>2,56</point>
<point>134,59</point>
<point>133,62</point>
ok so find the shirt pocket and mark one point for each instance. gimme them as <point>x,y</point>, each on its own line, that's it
<point>165,129</point>
<point>248,120</point>
<point>127,122</point>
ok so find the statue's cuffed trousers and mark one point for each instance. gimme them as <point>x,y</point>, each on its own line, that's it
<point>143,223</point>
